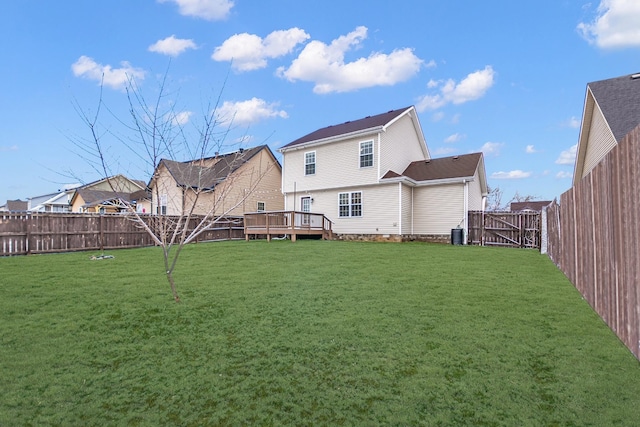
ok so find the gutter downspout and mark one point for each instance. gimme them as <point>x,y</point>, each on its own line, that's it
<point>466,210</point>
<point>400,209</point>
<point>379,156</point>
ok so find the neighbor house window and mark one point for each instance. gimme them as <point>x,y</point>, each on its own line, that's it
<point>310,163</point>
<point>366,154</point>
<point>162,208</point>
<point>350,204</point>
<point>261,206</point>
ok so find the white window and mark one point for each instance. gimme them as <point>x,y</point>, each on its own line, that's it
<point>310,163</point>
<point>350,204</point>
<point>162,208</point>
<point>261,206</point>
<point>366,154</point>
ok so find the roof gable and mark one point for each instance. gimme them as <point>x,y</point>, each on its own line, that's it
<point>195,174</point>
<point>619,101</point>
<point>356,126</point>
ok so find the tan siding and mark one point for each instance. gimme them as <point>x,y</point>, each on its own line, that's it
<point>438,209</point>
<point>260,177</point>
<point>600,142</point>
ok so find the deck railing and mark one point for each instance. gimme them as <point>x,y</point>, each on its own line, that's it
<point>291,223</point>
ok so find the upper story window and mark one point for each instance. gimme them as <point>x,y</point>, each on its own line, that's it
<point>366,154</point>
<point>310,163</point>
<point>261,206</point>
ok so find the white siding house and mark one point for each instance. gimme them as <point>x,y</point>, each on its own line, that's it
<point>349,173</point>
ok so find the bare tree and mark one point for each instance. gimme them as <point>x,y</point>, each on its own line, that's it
<point>494,199</point>
<point>206,188</point>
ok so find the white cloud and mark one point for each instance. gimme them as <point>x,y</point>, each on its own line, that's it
<point>472,87</point>
<point>615,26</point>
<point>573,123</point>
<point>514,174</point>
<point>10,148</point>
<point>250,52</point>
<point>564,174</point>
<point>325,65</point>
<point>454,138</point>
<point>115,78</point>
<point>530,149</point>
<point>181,118</point>
<point>249,112</point>
<point>568,157</point>
<point>172,46</point>
<point>491,148</point>
<point>210,10</point>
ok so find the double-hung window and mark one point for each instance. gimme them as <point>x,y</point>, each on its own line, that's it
<point>162,208</point>
<point>261,206</point>
<point>310,163</point>
<point>350,204</point>
<point>366,154</point>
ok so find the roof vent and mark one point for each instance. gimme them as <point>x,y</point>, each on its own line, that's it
<point>635,76</point>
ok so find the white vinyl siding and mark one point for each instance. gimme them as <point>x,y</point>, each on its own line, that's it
<point>438,209</point>
<point>400,146</point>
<point>475,193</point>
<point>406,209</point>
<point>601,141</point>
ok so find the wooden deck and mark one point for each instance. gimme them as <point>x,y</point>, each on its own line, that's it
<point>286,223</point>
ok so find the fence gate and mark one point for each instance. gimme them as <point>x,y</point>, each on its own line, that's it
<point>510,229</point>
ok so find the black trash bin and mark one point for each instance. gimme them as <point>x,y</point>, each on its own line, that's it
<point>457,236</point>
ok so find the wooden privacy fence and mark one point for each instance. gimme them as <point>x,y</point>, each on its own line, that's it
<point>593,237</point>
<point>36,233</point>
<point>510,229</point>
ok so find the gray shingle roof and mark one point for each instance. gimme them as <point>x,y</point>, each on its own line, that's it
<point>619,101</point>
<point>190,174</point>
<point>369,122</point>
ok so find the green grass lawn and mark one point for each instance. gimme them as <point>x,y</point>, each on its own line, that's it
<point>311,333</point>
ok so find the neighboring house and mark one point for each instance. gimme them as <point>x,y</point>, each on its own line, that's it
<point>611,111</point>
<point>59,201</point>
<point>374,176</point>
<point>108,195</point>
<point>532,205</point>
<point>247,180</point>
<point>15,206</point>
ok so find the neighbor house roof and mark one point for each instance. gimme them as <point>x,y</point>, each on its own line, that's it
<point>99,197</point>
<point>619,101</point>
<point>190,174</point>
<point>462,166</point>
<point>534,205</point>
<point>17,205</point>
<point>369,123</point>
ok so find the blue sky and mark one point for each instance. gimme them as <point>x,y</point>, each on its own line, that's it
<point>503,77</point>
